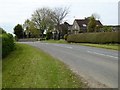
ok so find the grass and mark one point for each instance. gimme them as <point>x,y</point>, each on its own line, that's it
<point>105,46</point>
<point>56,41</point>
<point>29,67</point>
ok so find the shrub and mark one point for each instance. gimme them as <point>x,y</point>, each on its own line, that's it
<point>65,36</point>
<point>98,38</point>
<point>16,39</point>
<point>49,35</point>
<point>7,44</point>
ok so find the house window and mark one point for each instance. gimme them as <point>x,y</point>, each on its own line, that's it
<point>84,25</point>
<point>75,27</point>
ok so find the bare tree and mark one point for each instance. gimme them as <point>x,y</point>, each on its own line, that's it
<point>58,15</point>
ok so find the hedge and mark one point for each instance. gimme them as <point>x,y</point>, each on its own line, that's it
<point>7,44</point>
<point>98,38</point>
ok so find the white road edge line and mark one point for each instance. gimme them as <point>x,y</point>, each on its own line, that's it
<point>102,54</point>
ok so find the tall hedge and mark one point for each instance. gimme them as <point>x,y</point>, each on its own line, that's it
<point>98,38</point>
<point>7,44</point>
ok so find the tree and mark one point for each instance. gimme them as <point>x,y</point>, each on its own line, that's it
<point>2,31</point>
<point>92,24</point>
<point>107,29</point>
<point>98,28</point>
<point>58,15</point>
<point>34,31</point>
<point>26,26</point>
<point>49,35</point>
<point>30,29</point>
<point>42,19</point>
<point>47,19</point>
<point>18,31</point>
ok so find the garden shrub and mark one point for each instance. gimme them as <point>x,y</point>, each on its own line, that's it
<point>7,44</point>
<point>98,38</point>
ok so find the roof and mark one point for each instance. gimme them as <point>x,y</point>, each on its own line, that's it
<point>66,23</point>
<point>81,22</point>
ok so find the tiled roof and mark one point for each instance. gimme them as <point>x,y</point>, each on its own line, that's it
<point>81,22</point>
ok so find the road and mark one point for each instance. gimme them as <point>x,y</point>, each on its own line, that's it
<point>99,67</point>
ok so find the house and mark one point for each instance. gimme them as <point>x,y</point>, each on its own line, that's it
<point>80,25</point>
<point>64,29</point>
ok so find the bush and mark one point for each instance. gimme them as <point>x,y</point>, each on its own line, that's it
<point>7,44</point>
<point>16,39</point>
<point>65,36</point>
<point>49,35</point>
<point>98,38</point>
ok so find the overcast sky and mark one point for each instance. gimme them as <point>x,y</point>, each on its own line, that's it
<point>13,12</point>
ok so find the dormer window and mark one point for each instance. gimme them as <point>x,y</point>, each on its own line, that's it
<point>84,25</point>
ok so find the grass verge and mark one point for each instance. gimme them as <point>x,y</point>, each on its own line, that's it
<point>56,41</point>
<point>28,67</point>
<point>105,46</point>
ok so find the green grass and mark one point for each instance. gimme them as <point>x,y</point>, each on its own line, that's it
<point>106,46</point>
<point>29,67</point>
<point>56,41</point>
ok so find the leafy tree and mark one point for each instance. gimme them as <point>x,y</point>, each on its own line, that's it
<point>42,19</point>
<point>92,24</point>
<point>30,29</point>
<point>18,31</point>
<point>2,31</point>
<point>33,30</point>
<point>49,35</point>
<point>107,29</point>
<point>98,28</point>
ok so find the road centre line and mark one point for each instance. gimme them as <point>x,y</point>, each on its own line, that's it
<point>63,46</point>
<point>102,54</point>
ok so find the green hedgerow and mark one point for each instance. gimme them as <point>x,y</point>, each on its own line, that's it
<point>98,38</point>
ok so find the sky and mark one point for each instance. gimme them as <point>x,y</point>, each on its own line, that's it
<point>13,12</point>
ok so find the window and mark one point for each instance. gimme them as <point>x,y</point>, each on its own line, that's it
<point>75,27</point>
<point>84,25</point>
